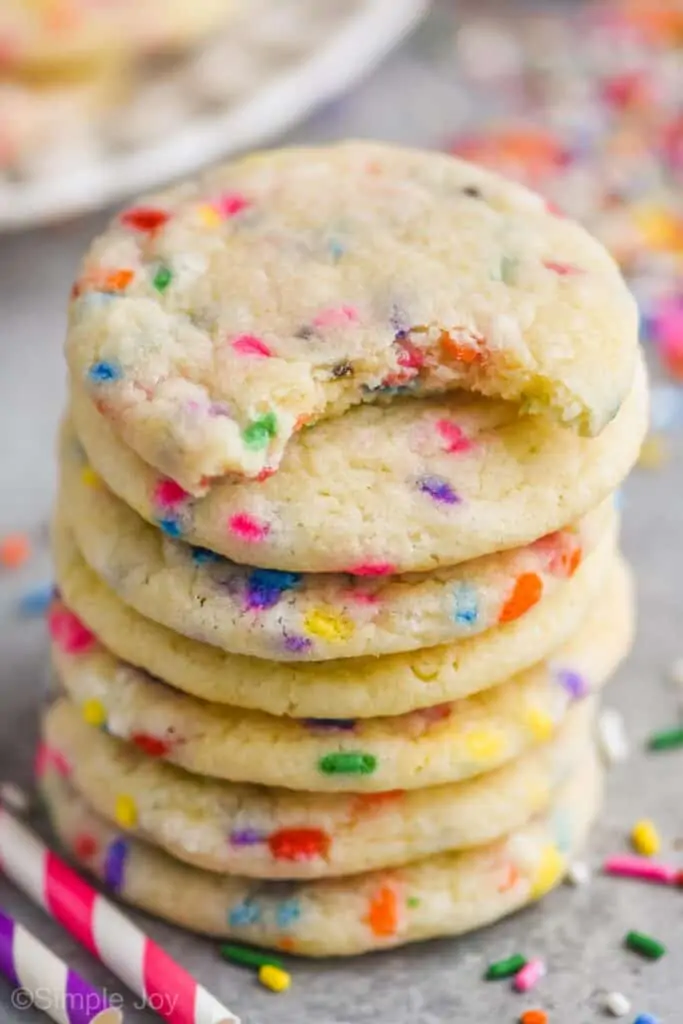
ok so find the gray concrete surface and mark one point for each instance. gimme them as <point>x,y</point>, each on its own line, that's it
<point>578,932</point>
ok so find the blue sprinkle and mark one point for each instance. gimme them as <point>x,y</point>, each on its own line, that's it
<point>200,556</point>
<point>266,586</point>
<point>331,724</point>
<point>37,601</point>
<point>104,372</point>
<point>562,830</point>
<point>466,605</point>
<point>336,248</point>
<point>287,913</point>
<point>646,1018</point>
<point>115,864</point>
<point>438,489</point>
<point>171,527</point>
<point>666,407</point>
<point>243,913</point>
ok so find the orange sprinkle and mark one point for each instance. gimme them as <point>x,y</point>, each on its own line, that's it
<point>574,560</point>
<point>286,944</point>
<point>567,558</point>
<point>534,1017</point>
<point>117,280</point>
<point>527,592</point>
<point>383,912</point>
<point>511,879</point>
<point>103,280</point>
<point>464,353</point>
<point>15,549</point>
<point>370,801</point>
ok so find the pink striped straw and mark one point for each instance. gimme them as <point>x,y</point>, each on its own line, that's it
<point>629,866</point>
<point>107,933</point>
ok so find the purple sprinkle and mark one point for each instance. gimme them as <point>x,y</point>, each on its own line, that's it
<point>115,864</point>
<point>438,489</point>
<point>573,683</point>
<point>399,321</point>
<point>219,409</point>
<point>330,724</point>
<point>247,837</point>
<point>298,644</point>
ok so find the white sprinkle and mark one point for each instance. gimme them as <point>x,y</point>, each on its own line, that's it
<point>676,672</point>
<point>14,797</point>
<point>617,1004</point>
<point>613,739</point>
<point>578,873</point>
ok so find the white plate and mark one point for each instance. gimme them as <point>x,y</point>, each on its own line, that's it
<point>273,69</point>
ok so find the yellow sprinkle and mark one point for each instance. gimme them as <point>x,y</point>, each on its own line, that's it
<point>425,669</point>
<point>658,227</point>
<point>125,812</point>
<point>483,745</point>
<point>645,838</point>
<point>540,723</point>
<point>94,713</point>
<point>90,478</point>
<point>209,217</point>
<point>653,453</point>
<point>274,978</point>
<point>550,870</point>
<point>328,625</point>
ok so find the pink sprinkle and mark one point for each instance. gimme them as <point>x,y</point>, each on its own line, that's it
<point>453,436</point>
<point>410,356</point>
<point>68,632</point>
<point>362,597</point>
<point>47,757</point>
<point>372,569</point>
<point>339,316</point>
<point>563,269</point>
<point>231,203</point>
<point>248,528</point>
<point>248,345</point>
<point>41,762</point>
<point>670,325</point>
<point>168,493</point>
<point>529,976</point>
<point>628,866</point>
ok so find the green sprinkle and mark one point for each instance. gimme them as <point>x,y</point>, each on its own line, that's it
<point>667,740</point>
<point>508,269</point>
<point>249,957</point>
<point>347,763</point>
<point>413,901</point>
<point>260,431</point>
<point>645,945</point>
<point>505,968</point>
<point>162,279</point>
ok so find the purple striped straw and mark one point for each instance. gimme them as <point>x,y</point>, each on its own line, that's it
<point>57,990</point>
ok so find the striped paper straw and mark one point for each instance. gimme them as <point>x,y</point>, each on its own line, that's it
<point>52,986</point>
<point>104,930</point>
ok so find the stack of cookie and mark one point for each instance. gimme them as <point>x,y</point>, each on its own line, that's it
<point>65,63</point>
<point>336,548</point>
